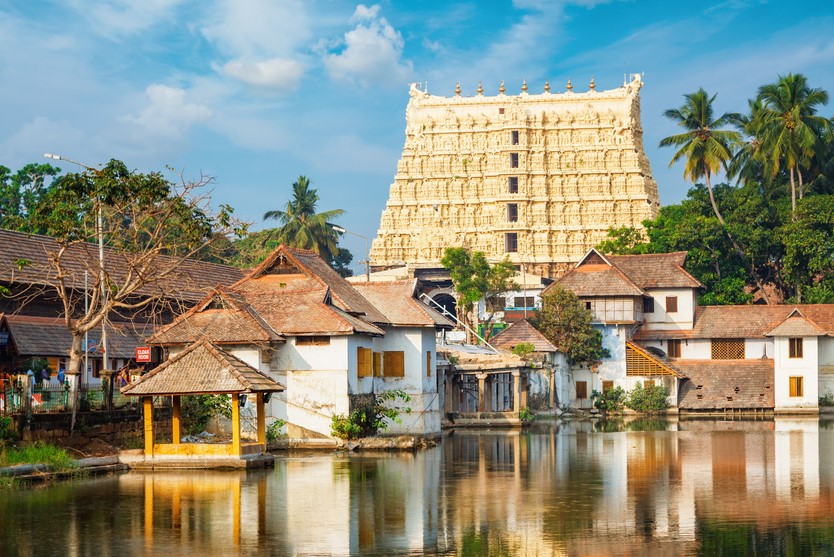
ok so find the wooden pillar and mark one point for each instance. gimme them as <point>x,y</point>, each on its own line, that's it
<point>481,391</point>
<point>261,420</point>
<point>147,402</point>
<point>516,391</point>
<point>235,425</point>
<point>175,420</point>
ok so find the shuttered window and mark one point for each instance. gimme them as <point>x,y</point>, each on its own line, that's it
<point>377,364</point>
<point>581,389</point>
<point>364,362</point>
<point>796,386</point>
<point>674,348</point>
<point>428,363</point>
<point>607,386</point>
<point>794,347</point>
<point>393,364</point>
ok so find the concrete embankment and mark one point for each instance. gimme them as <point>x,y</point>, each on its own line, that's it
<point>42,472</point>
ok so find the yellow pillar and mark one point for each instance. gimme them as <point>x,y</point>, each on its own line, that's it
<point>175,420</point>
<point>148,414</point>
<point>148,509</point>
<point>261,420</point>
<point>235,425</point>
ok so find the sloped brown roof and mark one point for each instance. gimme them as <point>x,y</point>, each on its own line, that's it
<point>202,368</point>
<point>222,317</point>
<point>796,325</point>
<point>598,279</point>
<point>749,321</point>
<point>190,282</point>
<point>656,270</point>
<point>313,268</point>
<point>396,301</point>
<point>49,336</point>
<point>519,332</point>
<point>719,384</point>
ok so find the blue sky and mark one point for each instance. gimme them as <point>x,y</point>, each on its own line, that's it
<point>256,92</point>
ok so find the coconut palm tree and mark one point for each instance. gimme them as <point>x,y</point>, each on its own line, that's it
<point>790,129</point>
<point>706,149</point>
<point>301,226</point>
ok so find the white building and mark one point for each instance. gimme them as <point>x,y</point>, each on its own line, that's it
<point>332,345</point>
<point>750,357</point>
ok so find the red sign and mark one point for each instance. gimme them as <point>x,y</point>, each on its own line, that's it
<point>143,353</point>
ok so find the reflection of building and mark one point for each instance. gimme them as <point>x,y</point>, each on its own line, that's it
<point>749,357</point>
<point>539,178</point>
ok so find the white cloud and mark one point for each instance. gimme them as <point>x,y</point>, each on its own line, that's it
<point>372,53</point>
<point>277,74</point>
<point>258,29</point>
<point>170,115</point>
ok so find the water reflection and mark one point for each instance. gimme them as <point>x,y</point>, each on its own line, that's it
<point>698,487</point>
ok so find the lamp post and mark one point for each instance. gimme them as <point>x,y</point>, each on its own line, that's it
<point>100,237</point>
<point>367,262</point>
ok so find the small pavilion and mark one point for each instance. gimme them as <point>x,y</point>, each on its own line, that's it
<point>201,369</point>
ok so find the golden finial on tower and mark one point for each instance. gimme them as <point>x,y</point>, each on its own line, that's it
<point>457,89</point>
<point>570,86</point>
<point>524,86</point>
<point>593,85</point>
<point>502,89</point>
<point>546,86</point>
<point>480,88</point>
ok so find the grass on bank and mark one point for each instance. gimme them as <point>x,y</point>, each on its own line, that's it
<point>56,458</point>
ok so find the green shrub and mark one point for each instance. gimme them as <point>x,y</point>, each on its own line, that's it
<point>371,419</point>
<point>610,400</point>
<point>197,410</point>
<point>827,399</point>
<point>273,431</point>
<point>523,349</point>
<point>8,433</point>
<point>525,415</point>
<point>649,400</point>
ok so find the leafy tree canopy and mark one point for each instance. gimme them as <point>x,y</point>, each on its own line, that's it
<point>565,322</point>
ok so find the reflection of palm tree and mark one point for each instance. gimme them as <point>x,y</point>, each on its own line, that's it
<point>706,149</point>
<point>301,226</point>
<point>789,127</point>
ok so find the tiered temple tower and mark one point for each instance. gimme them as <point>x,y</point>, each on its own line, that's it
<point>538,177</point>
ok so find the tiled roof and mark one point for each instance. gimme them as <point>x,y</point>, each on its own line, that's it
<point>719,384</point>
<point>221,317</point>
<point>49,336</point>
<point>752,321</point>
<point>796,325</point>
<point>595,279</point>
<point>396,301</point>
<point>190,282</point>
<point>656,270</point>
<point>202,368</point>
<point>519,332</point>
<point>314,267</point>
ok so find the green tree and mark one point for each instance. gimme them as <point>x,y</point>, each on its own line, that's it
<point>789,128</point>
<point>301,226</point>
<point>809,245</point>
<point>475,279</point>
<point>20,192</point>
<point>565,322</point>
<point>151,226</point>
<point>707,149</point>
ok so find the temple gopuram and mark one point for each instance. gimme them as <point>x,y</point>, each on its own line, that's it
<point>540,178</point>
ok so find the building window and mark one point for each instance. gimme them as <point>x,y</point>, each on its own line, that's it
<point>312,341</point>
<point>794,347</point>
<point>393,364</point>
<point>513,160</point>
<point>673,350</point>
<point>512,212</point>
<point>671,304</point>
<point>648,305</point>
<point>364,362</point>
<point>648,384</point>
<point>511,242</point>
<point>377,364</point>
<point>525,301</point>
<point>796,386</point>
<point>727,349</point>
<point>513,184</point>
<point>428,363</point>
<point>607,386</point>
<point>514,137</point>
<point>500,302</point>
<point>588,306</point>
<point>581,390</point>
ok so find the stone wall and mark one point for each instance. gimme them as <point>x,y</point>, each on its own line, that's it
<point>548,172</point>
<point>109,426</point>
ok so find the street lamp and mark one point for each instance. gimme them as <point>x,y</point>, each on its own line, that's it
<point>367,262</point>
<point>100,235</point>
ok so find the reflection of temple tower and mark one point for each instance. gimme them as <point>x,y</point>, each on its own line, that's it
<point>538,177</point>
